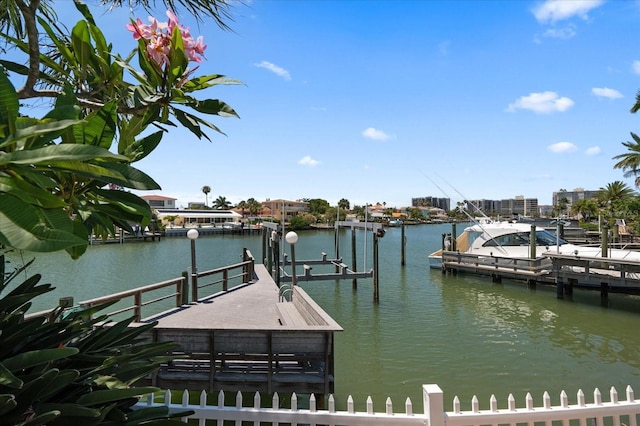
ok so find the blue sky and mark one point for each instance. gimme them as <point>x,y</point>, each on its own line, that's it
<point>374,101</point>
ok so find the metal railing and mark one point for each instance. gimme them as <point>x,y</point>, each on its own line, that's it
<point>180,288</point>
<point>180,285</point>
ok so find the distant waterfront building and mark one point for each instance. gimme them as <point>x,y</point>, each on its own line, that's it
<point>198,218</point>
<point>441,203</point>
<point>160,202</point>
<point>505,207</point>
<point>519,206</point>
<point>275,208</point>
<point>571,197</point>
<point>485,206</point>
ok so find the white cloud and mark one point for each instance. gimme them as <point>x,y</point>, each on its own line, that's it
<point>605,92</point>
<point>279,71</point>
<point>375,134</point>
<point>561,147</point>
<point>594,150</point>
<point>561,33</point>
<point>636,67</point>
<point>552,11</point>
<point>308,161</point>
<point>542,103</point>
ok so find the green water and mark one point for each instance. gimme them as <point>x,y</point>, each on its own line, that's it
<point>465,333</point>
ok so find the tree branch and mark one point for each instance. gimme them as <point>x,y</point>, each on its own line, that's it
<point>29,14</point>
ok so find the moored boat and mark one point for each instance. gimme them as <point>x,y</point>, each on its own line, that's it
<point>514,240</point>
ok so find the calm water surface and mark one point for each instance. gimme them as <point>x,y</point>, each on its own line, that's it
<point>465,333</point>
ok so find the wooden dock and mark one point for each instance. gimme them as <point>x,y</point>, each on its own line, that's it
<point>563,271</point>
<point>249,339</point>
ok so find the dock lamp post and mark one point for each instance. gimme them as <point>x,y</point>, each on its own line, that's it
<point>292,239</point>
<point>192,235</point>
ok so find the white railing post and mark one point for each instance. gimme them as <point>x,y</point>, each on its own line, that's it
<point>433,399</point>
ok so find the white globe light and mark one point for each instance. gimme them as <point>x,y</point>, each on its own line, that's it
<point>291,237</point>
<point>192,234</point>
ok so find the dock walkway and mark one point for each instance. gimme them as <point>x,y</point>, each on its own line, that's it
<point>249,339</point>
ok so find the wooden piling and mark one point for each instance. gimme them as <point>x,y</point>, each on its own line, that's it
<point>376,294</point>
<point>403,246</point>
<point>454,236</point>
<point>354,263</point>
<point>532,242</point>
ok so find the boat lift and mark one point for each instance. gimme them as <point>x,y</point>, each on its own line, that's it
<point>271,254</point>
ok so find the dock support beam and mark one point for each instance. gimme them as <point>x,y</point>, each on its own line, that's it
<point>604,290</point>
<point>559,288</point>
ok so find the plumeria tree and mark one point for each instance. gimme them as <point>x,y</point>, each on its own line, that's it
<point>62,173</point>
<point>65,173</point>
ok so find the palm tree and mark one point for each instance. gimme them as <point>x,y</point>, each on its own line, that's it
<point>586,207</point>
<point>254,206</point>
<point>630,162</point>
<point>613,197</point>
<point>206,189</point>
<point>221,203</point>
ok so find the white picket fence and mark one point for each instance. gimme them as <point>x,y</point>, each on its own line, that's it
<point>597,413</point>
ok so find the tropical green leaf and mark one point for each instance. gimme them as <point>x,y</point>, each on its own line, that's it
<point>205,81</point>
<point>140,148</point>
<point>42,129</point>
<point>81,43</point>
<point>39,357</point>
<point>22,228</point>
<point>7,404</point>
<point>151,70</point>
<point>8,380</point>
<point>113,395</point>
<point>29,193</point>
<point>15,67</point>
<point>99,128</point>
<point>42,419</point>
<point>8,102</point>
<point>190,122</point>
<point>178,61</point>
<point>69,410</point>
<point>58,153</point>
<point>214,106</point>
<point>60,45</point>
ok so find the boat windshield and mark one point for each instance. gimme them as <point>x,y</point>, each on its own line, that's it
<point>543,238</point>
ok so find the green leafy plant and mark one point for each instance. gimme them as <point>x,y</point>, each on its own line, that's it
<point>72,367</point>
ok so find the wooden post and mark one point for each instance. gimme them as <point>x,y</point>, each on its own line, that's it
<point>403,246</point>
<point>269,253</point>
<point>137,309</point>
<point>336,243</point>
<point>376,294</point>
<point>454,236</point>
<point>184,291</point>
<point>264,256</point>
<point>276,260</point>
<point>354,262</point>
<point>532,242</point>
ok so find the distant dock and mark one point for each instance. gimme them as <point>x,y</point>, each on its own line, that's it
<point>563,271</point>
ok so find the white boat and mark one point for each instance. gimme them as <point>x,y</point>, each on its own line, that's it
<point>512,240</point>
